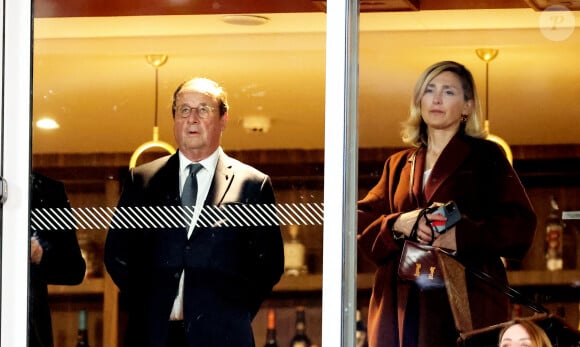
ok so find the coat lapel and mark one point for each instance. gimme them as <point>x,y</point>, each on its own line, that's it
<point>450,159</point>
<point>416,184</point>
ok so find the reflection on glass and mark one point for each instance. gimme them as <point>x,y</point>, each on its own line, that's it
<point>97,86</point>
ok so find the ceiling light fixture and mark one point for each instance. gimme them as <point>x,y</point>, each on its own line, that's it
<point>155,60</point>
<point>47,124</point>
<point>487,55</point>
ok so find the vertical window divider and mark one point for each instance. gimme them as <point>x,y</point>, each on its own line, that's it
<point>340,174</point>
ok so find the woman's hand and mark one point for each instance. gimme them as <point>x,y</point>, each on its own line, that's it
<point>35,250</point>
<point>408,220</point>
<point>404,224</point>
<point>425,232</point>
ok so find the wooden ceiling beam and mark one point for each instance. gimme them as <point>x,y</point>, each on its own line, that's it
<point>107,8</point>
<point>430,5</point>
<point>93,8</point>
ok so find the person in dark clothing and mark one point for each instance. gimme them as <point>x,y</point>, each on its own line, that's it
<point>55,258</point>
<point>198,284</point>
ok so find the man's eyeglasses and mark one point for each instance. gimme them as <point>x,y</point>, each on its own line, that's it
<point>202,111</point>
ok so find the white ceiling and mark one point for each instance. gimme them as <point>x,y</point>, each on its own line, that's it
<point>91,75</point>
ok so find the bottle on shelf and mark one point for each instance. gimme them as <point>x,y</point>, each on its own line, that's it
<point>569,246</point>
<point>516,311</point>
<point>361,331</point>
<point>294,254</point>
<point>554,238</point>
<point>300,338</point>
<point>271,329</point>
<point>82,334</point>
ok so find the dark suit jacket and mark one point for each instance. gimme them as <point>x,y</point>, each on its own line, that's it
<point>61,261</point>
<point>229,271</point>
<point>497,220</point>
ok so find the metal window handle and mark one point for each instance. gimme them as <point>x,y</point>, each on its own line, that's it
<point>3,190</point>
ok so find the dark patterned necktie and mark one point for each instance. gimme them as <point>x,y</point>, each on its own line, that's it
<point>189,194</point>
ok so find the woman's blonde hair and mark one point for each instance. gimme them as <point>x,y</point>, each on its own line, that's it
<point>414,129</point>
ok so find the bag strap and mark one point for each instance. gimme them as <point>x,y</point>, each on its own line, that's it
<point>454,273</point>
<point>413,159</point>
<point>507,290</point>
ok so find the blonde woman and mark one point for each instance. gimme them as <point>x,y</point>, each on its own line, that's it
<point>449,159</point>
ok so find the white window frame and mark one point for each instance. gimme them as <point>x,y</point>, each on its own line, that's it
<point>340,174</point>
<point>15,164</point>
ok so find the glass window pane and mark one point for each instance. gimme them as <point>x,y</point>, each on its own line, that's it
<point>526,94</point>
<point>92,76</point>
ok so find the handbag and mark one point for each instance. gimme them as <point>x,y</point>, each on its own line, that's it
<point>419,263</point>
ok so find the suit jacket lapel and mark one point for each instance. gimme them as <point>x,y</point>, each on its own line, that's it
<point>169,176</point>
<point>222,181</point>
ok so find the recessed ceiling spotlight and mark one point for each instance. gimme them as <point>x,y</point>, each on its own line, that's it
<point>47,123</point>
<point>245,19</point>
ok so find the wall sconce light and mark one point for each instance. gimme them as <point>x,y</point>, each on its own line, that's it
<point>256,124</point>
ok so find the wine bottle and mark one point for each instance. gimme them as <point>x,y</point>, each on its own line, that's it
<point>294,254</point>
<point>361,331</point>
<point>82,335</point>
<point>300,338</point>
<point>554,238</point>
<point>271,329</point>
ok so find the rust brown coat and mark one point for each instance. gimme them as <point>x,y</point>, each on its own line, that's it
<point>497,221</point>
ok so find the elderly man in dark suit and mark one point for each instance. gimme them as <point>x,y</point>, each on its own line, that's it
<point>55,258</point>
<point>202,284</point>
